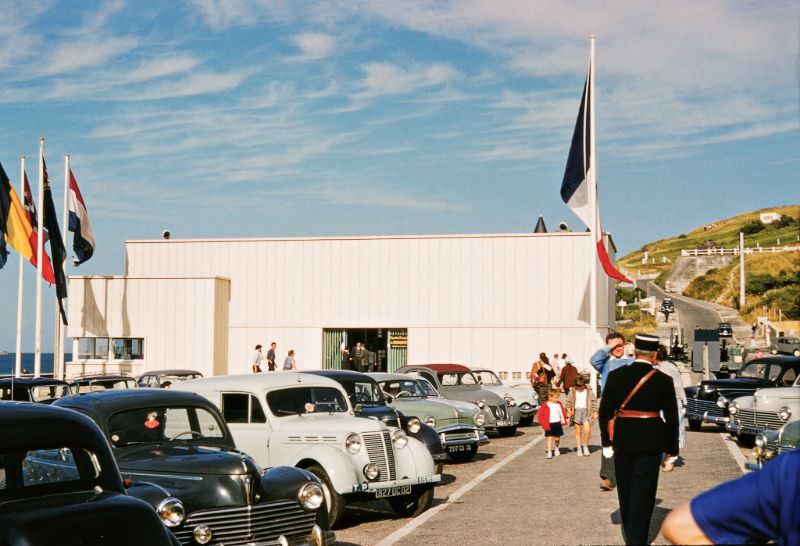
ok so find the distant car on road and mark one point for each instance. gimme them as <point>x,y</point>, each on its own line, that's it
<point>667,305</point>
<point>44,390</point>
<point>787,345</point>
<point>159,379</point>
<point>724,329</point>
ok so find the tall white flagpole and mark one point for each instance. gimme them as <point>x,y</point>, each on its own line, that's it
<point>62,332</point>
<point>593,204</point>
<point>37,350</point>
<point>21,279</point>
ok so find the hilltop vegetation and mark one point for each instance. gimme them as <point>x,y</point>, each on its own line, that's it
<point>719,234</point>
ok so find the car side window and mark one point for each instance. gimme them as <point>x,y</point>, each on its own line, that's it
<point>234,407</point>
<point>256,411</point>
<point>789,376</point>
<point>45,466</point>
<point>773,373</point>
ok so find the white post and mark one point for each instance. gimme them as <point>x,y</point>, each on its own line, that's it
<point>592,203</point>
<point>37,354</point>
<point>20,279</point>
<point>61,332</point>
<point>741,270</point>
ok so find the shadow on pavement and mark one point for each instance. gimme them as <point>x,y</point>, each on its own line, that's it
<point>659,514</point>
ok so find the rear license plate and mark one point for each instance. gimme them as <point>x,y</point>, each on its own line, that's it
<point>393,491</point>
<point>456,449</point>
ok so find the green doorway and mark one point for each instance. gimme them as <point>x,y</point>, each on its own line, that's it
<point>387,348</point>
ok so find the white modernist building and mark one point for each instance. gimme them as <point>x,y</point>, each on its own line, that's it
<point>488,300</point>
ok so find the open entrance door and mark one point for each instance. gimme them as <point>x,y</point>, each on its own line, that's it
<point>386,349</point>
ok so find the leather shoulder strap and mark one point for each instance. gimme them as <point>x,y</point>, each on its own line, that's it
<point>641,382</point>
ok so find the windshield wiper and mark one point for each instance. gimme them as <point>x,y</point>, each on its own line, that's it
<point>287,412</point>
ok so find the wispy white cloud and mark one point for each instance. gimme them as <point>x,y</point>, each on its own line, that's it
<point>313,46</point>
<point>151,69</point>
<point>382,78</point>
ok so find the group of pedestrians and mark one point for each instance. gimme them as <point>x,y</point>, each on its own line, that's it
<point>258,359</point>
<point>559,373</point>
<point>581,410</point>
<point>360,359</point>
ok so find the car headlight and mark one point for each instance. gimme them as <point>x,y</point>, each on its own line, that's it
<point>708,389</point>
<point>430,421</point>
<point>480,419</point>
<point>353,442</point>
<point>721,401</point>
<point>785,412</point>
<point>733,409</point>
<point>414,425</point>
<point>399,439</point>
<point>481,403</point>
<point>510,401</point>
<point>171,512</point>
<point>310,496</point>
<point>760,441</point>
<point>202,534</point>
<point>371,471</point>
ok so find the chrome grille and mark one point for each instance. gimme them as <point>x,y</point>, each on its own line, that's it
<point>699,407</point>
<point>244,525</point>
<point>501,412</point>
<point>380,452</point>
<point>461,436</point>
<point>759,419</point>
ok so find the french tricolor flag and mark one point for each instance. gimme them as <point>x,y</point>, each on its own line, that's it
<point>83,239</point>
<point>579,176</point>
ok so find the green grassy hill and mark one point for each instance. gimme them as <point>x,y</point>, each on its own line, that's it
<point>719,234</point>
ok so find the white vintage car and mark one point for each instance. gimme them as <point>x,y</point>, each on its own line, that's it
<point>306,421</point>
<point>767,409</point>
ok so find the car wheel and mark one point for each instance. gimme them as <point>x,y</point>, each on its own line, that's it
<point>333,500</point>
<point>695,424</point>
<point>526,421</point>
<point>746,440</point>
<point>466,455</point>
<point>410,506</point>
<point>506,431</point>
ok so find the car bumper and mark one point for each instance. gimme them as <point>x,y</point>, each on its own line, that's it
<point>738,428</point>
<point>454,436</point>
<point>527,410</point>
<point>372,487</point>
<point>716,419</point>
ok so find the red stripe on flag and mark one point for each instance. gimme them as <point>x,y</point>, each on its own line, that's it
<point>610,270</point>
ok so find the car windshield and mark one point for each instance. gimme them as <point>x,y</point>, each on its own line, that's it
<point>426,387</point>
<point>105,384</point>
<point>755,370</point>
<point>302,400</point>
<point>48,393</point>
<point>161,424</point>
<point>460,378</point>
<point>364,392</point>
<point>403,388</point>
<point>486,377</point>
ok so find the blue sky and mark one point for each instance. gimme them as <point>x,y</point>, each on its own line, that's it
<point>227,118</point>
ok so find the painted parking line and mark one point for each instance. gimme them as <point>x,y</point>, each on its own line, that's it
<point>420,520</point>
<point>734,449</point>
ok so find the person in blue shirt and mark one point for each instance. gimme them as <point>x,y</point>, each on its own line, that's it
<point>609,358</point>
<point>755,508</point>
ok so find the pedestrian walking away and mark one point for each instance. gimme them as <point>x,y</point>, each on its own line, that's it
<point>633,431</point>
<point>540,379</point>
<point>552,417</point>
<point>569,373</point>
<point>271,356</point>
<point>582,409</point>
<point>669,368</point>
<point>289,363</point>
<point>256,358</point>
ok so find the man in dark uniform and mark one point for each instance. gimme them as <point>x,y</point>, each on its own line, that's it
<point>645,429</point>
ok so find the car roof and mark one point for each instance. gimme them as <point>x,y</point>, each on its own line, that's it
<point>171,372</point>
<point>383,376</point>
<point>256,381</point>
<point>339,375</point>
<point>89,378</point>
<point>114,400</point>
<point>25,424</point>
<point>32,381</point>
<point>776,359</point>
<point>446,368</point>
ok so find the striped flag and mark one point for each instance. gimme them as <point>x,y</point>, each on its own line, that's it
<point>33,220</point>
<point>579,174</point>
<point>83,242</point>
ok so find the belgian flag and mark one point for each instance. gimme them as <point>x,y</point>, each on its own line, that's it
<point>14,224</point>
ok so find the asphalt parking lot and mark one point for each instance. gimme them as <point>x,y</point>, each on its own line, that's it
<point>511,494</point>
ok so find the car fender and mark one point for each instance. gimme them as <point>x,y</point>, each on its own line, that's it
<point>338,465</point>
<point>414,460</point>
<point>149,492</point>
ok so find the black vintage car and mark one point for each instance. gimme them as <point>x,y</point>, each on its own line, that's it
<point>101,382</point>
<point>161,379</point>
<point>59,484</point>
<point>368,400</point>
<point>218,495</point>
<point>708,401</point>
<point>33,389</point>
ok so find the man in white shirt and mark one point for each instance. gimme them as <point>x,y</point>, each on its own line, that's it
<point>255,359</point>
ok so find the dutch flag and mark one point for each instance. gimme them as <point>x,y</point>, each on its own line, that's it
<point>579,174</point>
<point>83,239</point>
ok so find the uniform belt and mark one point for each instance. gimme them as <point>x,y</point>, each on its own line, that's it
<point>626,413</point>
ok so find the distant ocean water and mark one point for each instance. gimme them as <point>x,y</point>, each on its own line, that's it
<point>7,362</point>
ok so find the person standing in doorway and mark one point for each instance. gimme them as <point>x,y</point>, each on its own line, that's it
<point>582,410</point>
<point>364,358</point>
<point>345,356</point>
<point>634,399</point>
<point>271,357</point>
<point>569,373</point>
<point>256,358</point>
<point>357,357</point>
<point>289,363</point>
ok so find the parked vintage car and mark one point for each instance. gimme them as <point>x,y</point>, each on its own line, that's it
<point>457,382</point>
<point>524,397</point>
<point>305,420</point>
<point>708,401</point>
<point>159,379</point>
<point>33,389</point>
<point>81,500</point>
<point>767,409</point>
<point>787,345</point>
<point>368,401</point>
<point>771,443</point>
<point>101,382</point>
<point>459,425</point>
<point>216,494</point>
